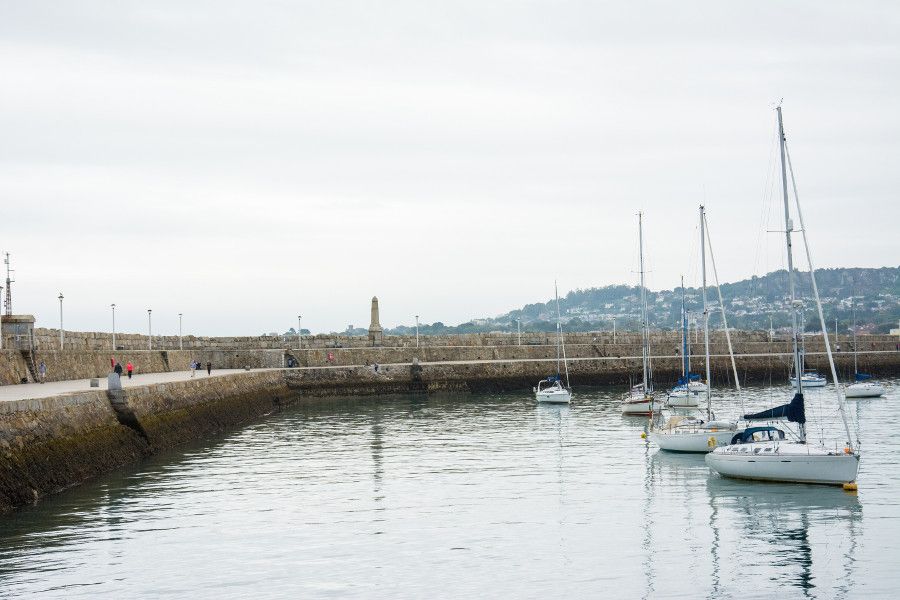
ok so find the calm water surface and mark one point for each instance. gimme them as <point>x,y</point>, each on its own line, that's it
<point>462,496</point>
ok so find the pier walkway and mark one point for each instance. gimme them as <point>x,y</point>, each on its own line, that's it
<point>27,391</point>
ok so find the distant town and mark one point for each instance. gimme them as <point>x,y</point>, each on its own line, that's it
<point>871,297</point>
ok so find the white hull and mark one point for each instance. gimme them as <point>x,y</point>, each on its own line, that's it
<point>554,396</point>
<point>810,382</point>
<point>636,406</point>
<point>683,400</point>
<point>784,461</point>
<point>696,441</point>
<point>864,389</point>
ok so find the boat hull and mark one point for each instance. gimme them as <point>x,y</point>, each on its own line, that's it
<point>810,383</point>
<point>554,396</point>
<point>636,406</point>
<point>785,462</point>
<point>695,442</point>
<point>689,400</point>
<point>864,390</point>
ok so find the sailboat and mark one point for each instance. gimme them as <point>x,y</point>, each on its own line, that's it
<point>862,387</point>
<point>639,399</point>
<point>686,394</point>
<point>692,433</point>
<point>809,377</point>
<point>552,389</point>
<point>765,452</point>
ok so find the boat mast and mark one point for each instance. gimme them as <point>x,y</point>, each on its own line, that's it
<point>712,260</point>
<point>788,228</point>
<point>645,342</point>
<point>560,343</point>
<point>685,358</point>
<point>853,306</point>
<point>812,275</point>
<point>558,332</point>
<point>705,313</point>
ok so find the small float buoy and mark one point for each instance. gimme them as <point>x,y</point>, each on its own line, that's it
<point>643,435</point>
<point>850,487</point>
<point>711,442</point>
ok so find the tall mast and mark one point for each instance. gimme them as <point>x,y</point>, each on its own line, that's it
<point>705,313</point>
<point>712,260</point>
<point>644,333</point>
<point>558,331</point>
<point>559,338</point>
<point>853,307</point>
<point>815,288</point>
<point>788,228</point>
<point>685,357</point>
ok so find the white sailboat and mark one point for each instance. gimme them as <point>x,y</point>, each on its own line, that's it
<point>809,378</point>
<point>639,399</point>
<point>863,386</point>
<point>552,389</point>
<point>693,433</point>
<point>765,452</point>
<point>687,393</point>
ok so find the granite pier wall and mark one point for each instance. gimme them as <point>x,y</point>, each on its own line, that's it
<point>83,363</point>
<point>49,444</point>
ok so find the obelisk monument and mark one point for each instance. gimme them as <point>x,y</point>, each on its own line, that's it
<point>375,330</point>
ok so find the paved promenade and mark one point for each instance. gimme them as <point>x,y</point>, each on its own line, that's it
<point>27,391</point>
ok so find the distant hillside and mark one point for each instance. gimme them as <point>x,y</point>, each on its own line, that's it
<point>875,294</point>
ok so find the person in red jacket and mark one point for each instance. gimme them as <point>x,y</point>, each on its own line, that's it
<point>129,367</point>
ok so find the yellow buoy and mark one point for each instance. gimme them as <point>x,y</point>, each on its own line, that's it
<point>643,435</point>
<point>850,487</point>
<point>711,442</point>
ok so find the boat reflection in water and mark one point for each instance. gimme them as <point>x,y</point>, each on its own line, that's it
<point>744,531</point>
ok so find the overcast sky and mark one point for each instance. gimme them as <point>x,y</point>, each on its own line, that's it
<point>243,162</point>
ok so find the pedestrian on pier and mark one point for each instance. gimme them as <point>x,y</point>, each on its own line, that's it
<point>194,365</point>
<point>118,369</point>
<point>112,362</point>
<point>129,367</point>
<point>42,371</point>
<point>208,368</point>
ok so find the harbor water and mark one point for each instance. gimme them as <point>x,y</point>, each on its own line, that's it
<point>464,496</point>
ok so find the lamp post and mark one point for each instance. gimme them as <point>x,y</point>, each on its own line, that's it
<point>417,331</point>
<point>180,340</point>
<point>62,333</point>
<point>519,330</point>
<point>614,330</point>
<point>149,329</point>
<point>113,307</point>
<point>299,332</point>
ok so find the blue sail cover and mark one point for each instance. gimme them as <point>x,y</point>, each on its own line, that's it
<point>863,376</point>
<point>794,411</point>
<point>691,377</point>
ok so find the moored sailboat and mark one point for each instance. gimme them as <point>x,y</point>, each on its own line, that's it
<point>686,394</point>
<point>765,452</point>
<point>863,386</point>
<point>639,399</point>
<point>552,389</point>
<point>693,433</point>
